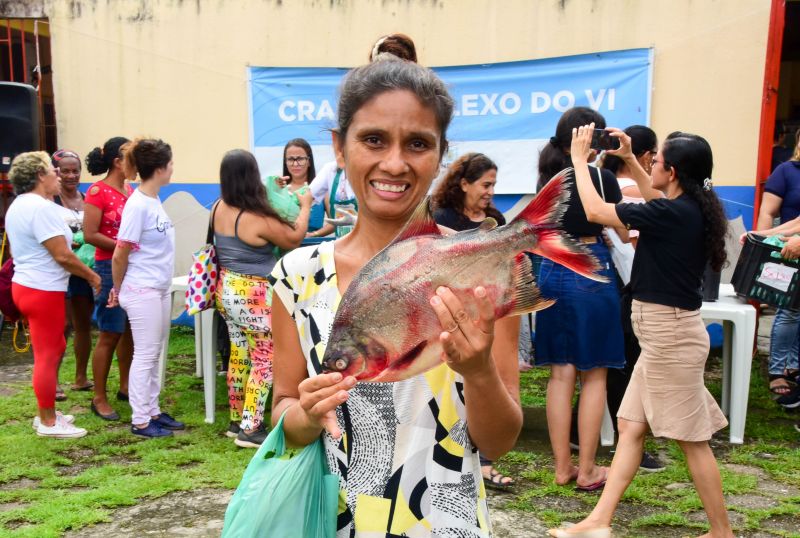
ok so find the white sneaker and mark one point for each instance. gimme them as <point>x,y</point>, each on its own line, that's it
<point>60,430</point>
<point>69,419</point>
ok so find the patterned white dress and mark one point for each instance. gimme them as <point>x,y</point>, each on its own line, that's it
<point>406,464</point>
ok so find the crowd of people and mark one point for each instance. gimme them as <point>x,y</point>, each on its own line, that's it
<point>413,456</point>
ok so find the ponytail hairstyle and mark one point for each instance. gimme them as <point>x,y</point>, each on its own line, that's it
<point>469,167</point>
<point>100,160</point>
<point>241,187</point>
<point>690,155</point>
<point>303,144</point>
<point>553,157</point>
<point>643,139</point>
<point>144,156</point>
<point>399,45</point>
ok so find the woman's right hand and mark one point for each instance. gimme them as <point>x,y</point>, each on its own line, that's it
<point>304,197</point>
<point>624,151</point>
<point>95,282</point>
<point>320,396</point>
<point>282,181</point>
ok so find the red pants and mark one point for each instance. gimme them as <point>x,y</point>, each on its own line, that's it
<point>45,313</point>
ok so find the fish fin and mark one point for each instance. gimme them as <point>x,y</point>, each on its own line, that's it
<point>549,204</point>
<point>525,295</point>
<point>420,223</point>
<point>544,213</point>
<point>556,246</point>
<point>488,224</point>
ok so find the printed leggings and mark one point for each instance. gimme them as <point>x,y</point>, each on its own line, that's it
<point>245,303</point>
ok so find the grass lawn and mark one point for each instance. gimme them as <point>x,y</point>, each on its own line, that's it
<point>754,475</point>
<point>50,486</point>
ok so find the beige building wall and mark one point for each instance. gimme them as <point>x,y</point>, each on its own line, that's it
<point>177,68</point>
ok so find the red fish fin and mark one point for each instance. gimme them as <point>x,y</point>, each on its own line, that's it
<point>420,223</point>
<point>544,214</point>
<point>526,296</point>
<point>558,247</point>
<point>547,208</point>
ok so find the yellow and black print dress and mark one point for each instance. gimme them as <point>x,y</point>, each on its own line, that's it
<point>405,463</point>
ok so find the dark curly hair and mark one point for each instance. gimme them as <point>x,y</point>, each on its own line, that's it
<point>690,155</point>
<point>469,167</point>
<point>100,160</point>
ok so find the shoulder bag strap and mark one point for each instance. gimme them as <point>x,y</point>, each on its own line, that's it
<point>210,235</point>
<point>600,179</point>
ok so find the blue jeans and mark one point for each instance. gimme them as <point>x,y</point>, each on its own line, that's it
<point>784,341</point>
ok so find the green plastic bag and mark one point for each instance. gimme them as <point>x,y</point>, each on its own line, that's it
<point>284,493</point>
<point>283,200</point>
<point>85,252</point>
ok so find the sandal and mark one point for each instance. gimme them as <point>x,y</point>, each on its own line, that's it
<point>779,385</point>
<point>88,386</point>
<point>60,394</point>
<point>597,485</point>
<point>495,480</point>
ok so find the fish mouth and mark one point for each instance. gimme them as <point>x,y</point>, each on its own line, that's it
<point>389,187</point>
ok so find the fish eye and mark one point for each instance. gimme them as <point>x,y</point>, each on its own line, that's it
<point>340,364</point>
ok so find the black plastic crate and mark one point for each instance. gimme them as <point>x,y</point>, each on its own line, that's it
<point>755,279</point>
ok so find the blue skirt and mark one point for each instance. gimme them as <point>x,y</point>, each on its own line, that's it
<point>583,327</point>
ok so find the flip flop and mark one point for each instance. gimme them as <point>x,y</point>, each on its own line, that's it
<point>495,480</point>
<point>60,395</point>
<point>88,386</point>
<point>593,487</point>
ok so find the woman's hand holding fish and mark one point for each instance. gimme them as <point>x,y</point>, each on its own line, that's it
<point>467,342</point>
<point>320,396</point>
<point>581,144</point>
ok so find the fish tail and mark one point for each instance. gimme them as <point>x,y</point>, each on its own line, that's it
<point>543,217</point>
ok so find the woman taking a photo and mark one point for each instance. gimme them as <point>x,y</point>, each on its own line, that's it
<point>143,266</point>
<point>682,227</point>
<point>580,336</point>
<point>382,439</point>
<point>43,261</point>
<point>246,231</point>
<point>103,207</point>
<point>80,297</point>
<point>462,201</point>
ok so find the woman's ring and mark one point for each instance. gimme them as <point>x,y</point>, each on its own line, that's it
<point>461,316</point>
<point>453,328</point>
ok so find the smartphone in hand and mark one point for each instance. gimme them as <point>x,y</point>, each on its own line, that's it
<point>602,140</point>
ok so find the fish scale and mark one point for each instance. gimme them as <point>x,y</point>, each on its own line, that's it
<point>385,329</point>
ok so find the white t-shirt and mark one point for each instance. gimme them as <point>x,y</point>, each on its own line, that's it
<point>147,228</point>
<point>31,220</point>
<point>323,182</point>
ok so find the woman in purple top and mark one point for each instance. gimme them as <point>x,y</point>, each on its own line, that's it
<point>782,199</point>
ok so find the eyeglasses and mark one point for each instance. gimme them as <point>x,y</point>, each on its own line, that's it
<point>297,160</point>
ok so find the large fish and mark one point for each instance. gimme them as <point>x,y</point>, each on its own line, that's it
<point>385,328</point>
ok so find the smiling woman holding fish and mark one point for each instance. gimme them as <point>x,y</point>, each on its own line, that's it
<point>405,452</point>
<point>682,227</point>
